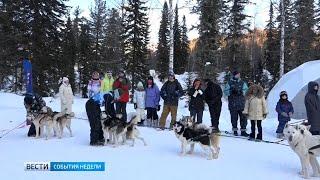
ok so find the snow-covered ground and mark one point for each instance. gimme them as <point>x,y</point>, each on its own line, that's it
<point>239,159</point>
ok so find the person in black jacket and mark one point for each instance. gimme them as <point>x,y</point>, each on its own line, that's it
<point>170,92</point>
<point>94,116</point>
<point>212,96</point>
<point>312,103</point>
<point>34,103</point>
<point>196,104</point>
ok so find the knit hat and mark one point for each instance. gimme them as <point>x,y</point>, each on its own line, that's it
<point>171,74</point>
<point>140,85</point>
<point>95,74</point>
<point>283,93</point>
<point>64,79</point>
<point>28,99</point>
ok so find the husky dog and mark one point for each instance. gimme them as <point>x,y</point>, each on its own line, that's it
<point>115,127</point>
<point>40,119</point>
<point>301,141</point>
<point>63,120</point>
<point>189,134</point>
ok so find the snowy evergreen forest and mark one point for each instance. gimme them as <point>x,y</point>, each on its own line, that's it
<point>61,42</point>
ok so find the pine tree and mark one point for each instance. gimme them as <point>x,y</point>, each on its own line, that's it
<point>69,53</point>
<point>85,54</point>
<point>136,40</point>
<point>184,45</point>
<point>177,59</point>
<point>98,17</point>
<point>211,16</point>
<point>237,28</point>
<point>163,44</point>
<point>304,32</point>
<point>113,41</point>
<point>272,46</point>
<point>12,43</point>
<point>44,20</point>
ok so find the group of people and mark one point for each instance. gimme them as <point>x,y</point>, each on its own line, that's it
<point>243,102</point>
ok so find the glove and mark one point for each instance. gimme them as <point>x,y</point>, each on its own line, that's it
<point>200,91</point>
<point>44,109</point>
<point>264,116</point>
<point>158,107</point>
<point>290,114</point>
<point>195,94</point>
<point>177,93</point>
<point>135,105</point>
<point>284,114</point>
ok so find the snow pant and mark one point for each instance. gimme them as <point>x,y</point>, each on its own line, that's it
<point>197,113</point>
<point>32,130</point>
<point>165,112</point>
<point>152,113</point>
<point>253,129</point>
<point>141,113</point>
<point>215,111</point>
<point>121,108</point>
<point>315,132</point>
<point>235,114</point>
<point>281,126</point>
<point>109,105</point>
<point>93,113</point>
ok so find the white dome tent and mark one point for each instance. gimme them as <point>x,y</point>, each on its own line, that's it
<point>295,83</point>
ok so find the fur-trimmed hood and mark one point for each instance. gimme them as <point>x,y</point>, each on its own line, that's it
<point>255,91</point>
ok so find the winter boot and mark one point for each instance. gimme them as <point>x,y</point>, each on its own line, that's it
<point>244,134</point>
<point>98,143</point>
<point>155,123</point>
<point>215,130</point>
<point>141,123</point>
<point>259,136</point>
<point>252,136</point>
<point>280,135</point>
<point>235,133</point>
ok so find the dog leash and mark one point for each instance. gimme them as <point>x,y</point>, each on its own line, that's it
<point>21,125</point>
<point>297,122</point>
<point>227,134</point>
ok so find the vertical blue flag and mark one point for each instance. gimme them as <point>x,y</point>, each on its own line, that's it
<point>27,73</point>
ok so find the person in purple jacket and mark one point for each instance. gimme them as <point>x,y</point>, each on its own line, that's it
<point>152,102</point>
<point>285,111</point>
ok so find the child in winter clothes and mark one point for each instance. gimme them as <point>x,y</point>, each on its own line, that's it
<point>139,98</point>
<point>285,110</point>
<point>196,105</point>
<point>152,102</point>
<point>255,109</point>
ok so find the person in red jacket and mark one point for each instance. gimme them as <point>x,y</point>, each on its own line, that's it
<point>121,87</point>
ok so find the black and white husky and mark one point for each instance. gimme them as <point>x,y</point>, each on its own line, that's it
<point>115,128</point>
<point>190,133</point>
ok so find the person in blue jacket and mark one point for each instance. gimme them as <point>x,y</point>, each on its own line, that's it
<point>285,111</point>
